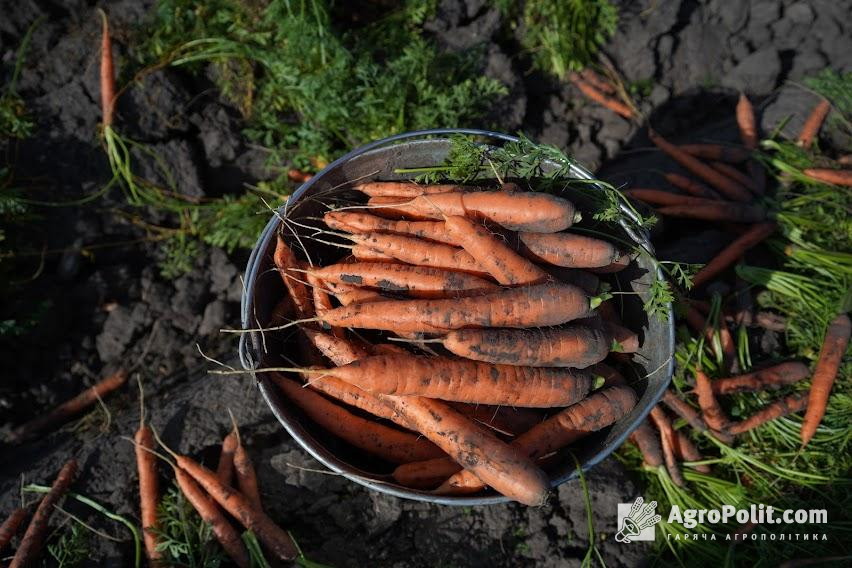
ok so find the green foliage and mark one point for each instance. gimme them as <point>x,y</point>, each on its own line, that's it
<point>233,222</point>
<point>836,87</point>
<point>71,548</point>
<point>178,255</point>
<point>185,539</point>
<point>15,121</point>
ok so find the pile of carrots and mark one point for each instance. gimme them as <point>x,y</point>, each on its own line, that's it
<point>462,338</point>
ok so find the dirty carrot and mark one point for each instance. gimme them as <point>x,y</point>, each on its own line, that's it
<point>684,410</point>
<point>364,253</point>
<point>648,441</point>
<point>716,211</point>
<point>687,451</point>
<point>68,409</point>
<point>407,188</point>
<point>358,222</point>
<point>10,526</point>
<point>741,178</point>
<point>770,378</point>
<point>717,152</point>
<point>733,252</point>
<point>825,372</point>
<point>595,80</point>
<point>667,438</point>
<point>726,341</point>
<point>660,197</point>
<point>374,438</point>
<point>346,294</point>
<point>31,543</point>
<point>725,185</point>
<point>210,513</point>
<point>782,407</point>
<point>107,74</point>
<point>149,494</point>
<point>505,265</point>
<point>418,252</point>
<point>623,339</point>
<point>427,473</point>
<point>712,412</point>
<point>834,177</point>
<point>692,187</point>
<point>611,377</point>
<point>617,265</point>
<point>285,260</point>
<point>322,299</point>
<point>225,467</point>
<point>602,99</point>
<point>810,129</point>
<point>746,122</point>
<point>568,250</point>
<point>246,476</point>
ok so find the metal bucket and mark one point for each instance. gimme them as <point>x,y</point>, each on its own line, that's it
<point>263,289</point>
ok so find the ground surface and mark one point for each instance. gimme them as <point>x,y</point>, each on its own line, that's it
<point>107,307</point>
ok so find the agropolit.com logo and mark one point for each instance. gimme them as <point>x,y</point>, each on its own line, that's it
<point>636,521</point>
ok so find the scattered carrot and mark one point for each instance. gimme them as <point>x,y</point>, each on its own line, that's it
<point>716,211</point>
<point>298,176</point>
<point>713,414</point>
<point>726,341</point>
<point>667,437</point>
<point>746,122</point>
<point>225,467</point>
<point>285,261</point>
<point>107,72</point>
<point>684,410</point>
<point>149,494</point>
<point>787,405</point>
<point>568,250</point>
<point>825,372</point>
<point>407,188</point>
<point>419,252</point>
<point>692,187</point>
<point>31,544</point>
<point>595,80</point>
<point>660,197</point>
<point>597,96</point>
<point>10,526</point>
<point>506,266</point>
<point>770,378</point>
<point>246,476</point>
<point>717,152</point>
<point>725,185</point>
<point>834,177</point>
<point>741,178</point>
<point>687,451</point>
<point>648,442</point>
<point>359,222</point>
<point>730,254</point>
<point>68,409</point>
<point>210,513</point>
<point>810,129</point>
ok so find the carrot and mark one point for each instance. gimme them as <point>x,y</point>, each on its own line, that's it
<point>503,467</point>
<point>278,541</point>
<point>596,81</point>
<point>575,346</point>
<point>210,513</point>
<point>587,281</point>
<point>225,467</point>
<point>730,254</point>
<point>726,186</point>
<point>374,438</point>
<point>339,350</point>
<point>597,96</point>
<point>107,74</point>
<point>736,175</point>
<point>346,294</point>
<point>825,372</point>
<point>358,222</point>
<point>416,281</point>
<point>771,321</point>
<point>504,419</point>
<point>810,129</point>
<point>726,341</point>
<point>834,177</point>
<point>418,252</point>
<point>687,451</point>
<point>464,381</point>
<point>600,410</point>
<point>285,260</point>
<point>503,264</point>
<point>530,306</point>
<point>624,339</point>
<point>746,122</point>
<point>567,249</point>
<point>771,378</point>
<point>146,464</point>
<point>322,299</point>
<point>648,442</point>
<point>68,409</point>
<point>407,188</point>
<point>617,265</point>
<point>667,437</point>
<point>427,473</point>
<point>783,407</point>
<point>31,543</point>
<point>611,377</point>
<point>10,526</point>
<point>660,197</point>
<point>691,186</point>
<point>712,412</point>
<point>364,253</point>
<point>716,211</point>
<point>298,176</point>
<point>246,477</point>
<point>516,211</point>
<point>684,410</point>
<point>718,152</point>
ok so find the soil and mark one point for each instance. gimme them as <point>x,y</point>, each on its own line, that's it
<point>109,306</point>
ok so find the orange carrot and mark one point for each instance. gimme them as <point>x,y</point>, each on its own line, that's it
<point>107,74</point>
<point>10,526</point>
<point>726,341</point>
<point>31,543</point>
<point>407,188</point>
<point>617,265</point>
<point>364,253</point>
<point>685,450</point>
<point>530,306</point>
<point>464,381</point>
<point>298,176</point>
<point>597,96</point>
<point>746,122</point>
<point>736,175</point>
<point>718,152</point>
<point>322,299</point>
<point>246,477</point>
<point>810,129</point>
<point>624,339</point>
<point>691,186</point>
<point>149,494</point>
<point>660,197</point>
<point>210,513</point>
<point>427,473</point>
<point>505,265</point>
<point>716,211</point>
<point>596,81</point>
<point>225,467</point>
<point>358,222</point>
<point>516,211</point>
<point>834,177</point>
<point>346,294</point>
<point>415,281</point>
<point>713,414</point>
<point>725,185</point>
<point>730,254</point>
<point>667,437</point>
<point>611,377</point>
<point>276,540</point>
<point>782,407</point>
<point>285,261</point>
<point>568,249</point>
<point>374,438</point>
<point>825,372</point>
<point>68,409</point>
<point>684,410</point>
<point>648,442</point>
<point>770,378</point>
<point>419,252</point>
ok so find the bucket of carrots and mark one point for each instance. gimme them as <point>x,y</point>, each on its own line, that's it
<point>457,316</point>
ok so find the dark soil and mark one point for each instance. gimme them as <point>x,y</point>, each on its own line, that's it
<point>110,307</point>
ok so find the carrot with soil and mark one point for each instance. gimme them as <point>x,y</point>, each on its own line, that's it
<point>407,188</point>
<point>667,439</point>
<point>691,186</point>
<point>149,491</point>
<point>107,74</point>
<point>746,122</point>
<point>726,341</point>
<point>717,152</point>
<point>597,96</point>
<point>834,177</point>
<point>246,476</point>
<point>810,129</point>
<point>733,252</point>
<point>225,467</point>
<point>648,441</point>
<point>10,526</point>
<point>357,222</point>
<point>716,211</point>
<point>736,175</point>
<point>660,197</point>
<point>712,412</point>
<point>568,250</point>
<point>770,378</point>
<point>687,451</point>
<point>787,405</point>
<point>285,261</point>
<point>418,252</point>
<point>504,419</point>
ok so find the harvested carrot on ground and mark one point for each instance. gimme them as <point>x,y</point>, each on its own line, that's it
<point>770,378</point>
<point>285,261</point>
<point>358,222</point>
<point>598,82</point>
<point>648,441</point>
<point>602,99</point>
<point>374,438</point>
<point>246,476</point>
<point>834,177</point>
<point>687,451</point>
<point>419,252</point>
<point>782,407</point>
<point>667,439</point>
<point>725,185</point>
<point>10,526</point>
<point>210,513</point>
<point>712,412</point>
<point>31,544</point>
<point>736,175</point>
<point>506,266</point>
<point>68,409</point>
<point>746,122</point>
<point>568,250</point>
<point>107,74</point>
<point>716,211</point>
<point>810,129</point>
<point>660,197</point>
<point>830,358</point>
<point>692,187</point>
<point>726,341</point>
<point>149,493</point>
<point>415,281</point>
<point>225,467</point>
<point>733,252</point>
<point>717,152</point>
<point>407,188</point>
